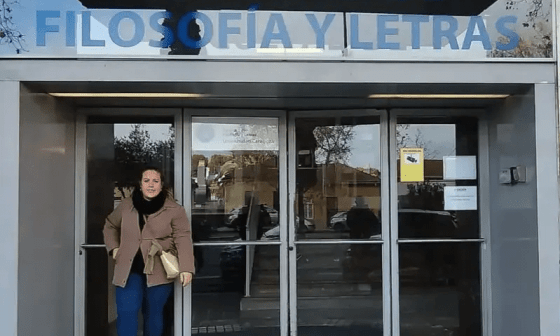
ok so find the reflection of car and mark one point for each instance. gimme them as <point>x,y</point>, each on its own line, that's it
<point>232,258</point>
<point>416,223</point>
<point>308,227</point>
<point>338,222</point>
<point>418,262</point>
<point>235,213</point>
<point>273,213</point>
<point>413,223</point>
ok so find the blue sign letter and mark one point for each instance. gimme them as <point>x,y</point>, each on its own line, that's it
<point>320,30</point>
<point>383,31</point>
<point>415,27</point>
<point>476,21</point>
<point>282,34</point>
<point>439,33</point>
<point>183,30</point>
<point>168,36</point>
<point>43,28</point>
<point>251,29</point>
<point>225,30</point>
<point>71,29</point>
<point>138,29</point>
<point>354,39</point>
<point>86,28</point>
<point>502,29</point>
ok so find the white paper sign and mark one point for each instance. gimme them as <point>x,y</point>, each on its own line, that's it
<point>460,198</point>
<point>227,134</point>
<point>459,167</point>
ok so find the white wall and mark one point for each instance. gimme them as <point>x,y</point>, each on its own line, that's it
<point>46,216</point>
<point>9,165</point>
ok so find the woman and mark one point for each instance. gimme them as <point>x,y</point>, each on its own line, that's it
<point>150,214</point>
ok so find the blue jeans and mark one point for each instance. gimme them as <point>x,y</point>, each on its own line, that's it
<point>135,296</point>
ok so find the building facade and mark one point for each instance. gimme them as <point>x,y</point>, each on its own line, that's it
<point>348,168</point>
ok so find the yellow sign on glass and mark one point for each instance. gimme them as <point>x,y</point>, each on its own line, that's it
<point>412,164</point>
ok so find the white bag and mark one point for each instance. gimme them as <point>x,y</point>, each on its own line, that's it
<point>171,264</point>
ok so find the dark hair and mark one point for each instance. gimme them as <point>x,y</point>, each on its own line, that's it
<point>164,188</point>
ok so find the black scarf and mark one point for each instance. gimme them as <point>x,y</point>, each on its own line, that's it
<point>145,207</point>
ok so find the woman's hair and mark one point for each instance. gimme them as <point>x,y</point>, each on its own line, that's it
<point>164,188</point>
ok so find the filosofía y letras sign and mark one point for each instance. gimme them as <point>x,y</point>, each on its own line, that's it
<point>265,34</point>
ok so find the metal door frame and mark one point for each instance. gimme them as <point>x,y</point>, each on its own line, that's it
<point>484,208</point>
<point>80,199</point>
<point>385,201</point>
<point>188,114</point>
<point>287,170</point>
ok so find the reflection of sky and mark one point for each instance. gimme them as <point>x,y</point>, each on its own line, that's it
<point>157,132</point>
<point>437,140</point>
<point>365,147</point>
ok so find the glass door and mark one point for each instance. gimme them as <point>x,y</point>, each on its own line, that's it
<point>385,224</point>
<point>437,237</point>
<point>339,227</point>
<point>114,150</point>
<point>238,197</point>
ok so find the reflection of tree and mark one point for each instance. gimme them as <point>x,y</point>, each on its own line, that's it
<point>137,150</point>
<point>334,143</point>
<point>253,165</point>
<point>406,139</point>
<point>537,15</point>
<point>534,12</point>
<point>8,32</point>
<point>424,195</point>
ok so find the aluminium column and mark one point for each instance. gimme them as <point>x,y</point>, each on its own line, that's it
<point>9,204</point>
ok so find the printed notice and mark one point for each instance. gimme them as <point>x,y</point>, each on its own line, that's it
<point>460,198</point>
<point>459,167</point>
<point>228,134</point>
<point>412,164</point>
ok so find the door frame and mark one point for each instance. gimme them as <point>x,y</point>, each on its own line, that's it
<point>484,206</point>
<point>188,114</point>
<point>287,168</point>
<point>385,199</point>
<point>80,197</point>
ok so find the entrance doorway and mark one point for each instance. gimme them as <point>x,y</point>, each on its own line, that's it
<point>319,222</point>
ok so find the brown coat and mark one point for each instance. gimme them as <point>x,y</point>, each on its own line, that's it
<point>169,226</point>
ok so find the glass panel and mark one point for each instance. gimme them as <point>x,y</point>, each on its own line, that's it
<point>233,293</point>
<point>116,152</point>
<point>235,179</point>
<point>339,289</point>
<point>440,293</point>
<point>437,177</point>
<point>338,178</point>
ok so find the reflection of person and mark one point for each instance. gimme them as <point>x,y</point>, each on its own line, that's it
<point>361,220</point>
<point>129,231</point>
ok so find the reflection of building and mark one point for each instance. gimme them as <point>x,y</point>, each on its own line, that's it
<point>231,177</point>
<point>336,187</point>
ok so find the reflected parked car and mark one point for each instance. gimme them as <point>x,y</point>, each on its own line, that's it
<point>338,222</point>
<point>235,213</point>
<point>413,223</point>
<point>418,262</point>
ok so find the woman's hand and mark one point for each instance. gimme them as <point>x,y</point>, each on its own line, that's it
<point>115,250</point>
<point>186,278</point>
